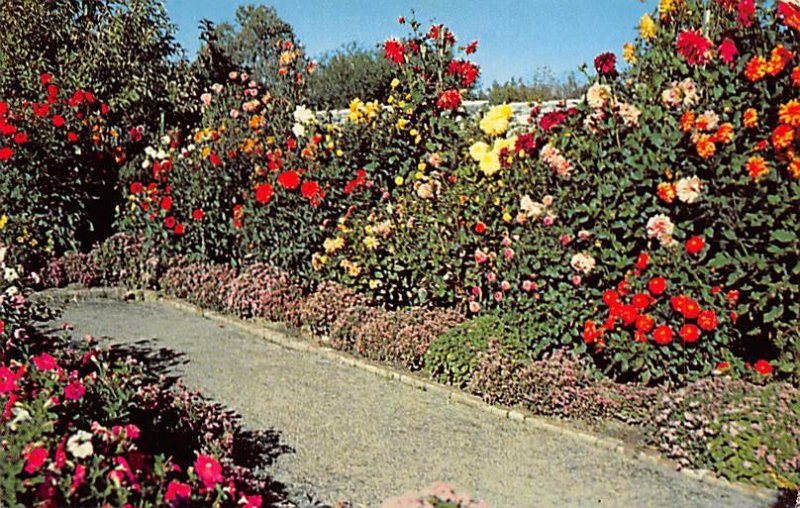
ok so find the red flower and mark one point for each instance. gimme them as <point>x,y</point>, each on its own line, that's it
<point>695,244</point>
<point>472,47</point>
<point>198,214</point>
<point>690,333</point>
<point>74,391</point>
<point>169,222</point>
<point>745,11</point>
<point>662,335</point>
<point>763,367</point>
<point>209,471</point>
<point>605,64</point>
<point>2,326</point>
<point>728,50</point>
<point>6,153</point>
<point>642,261</point>
<point>657,285</point>
<point>21,138</point>
<point>72,137</point>
<point>310,190</point>
<point>179,229</point>
<point>58,121</point>
<point>723,366</point>
<point>645,323</point>
<point>264,193</point>
<point>8,380</point>
<point>45,362</point>
<point>35,458</point>
<point>690,309</point>
<point>449,99</point>
<point>176,490</point>
<point>136,187</point>
<point>289,180</point>
<point>590,332</point>
<point>694,47</point>
<point>466,71</point>
<point>552,120</point>
<point>45,78</point>
<point>78,478</point>
<point>707,320</point>
<point>640,301</point>
<point>610,297</point>
<point>214,158</point>
<point>394,51</point>
<point>480,227</point>
<point>250,502</point>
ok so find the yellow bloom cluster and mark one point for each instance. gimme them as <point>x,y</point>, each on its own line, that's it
<point>629,53</point>
<point>647,27</point>
<point>488,157</point>
<point>362,112</point>
<point>497,119</point>
<point>3,221</point>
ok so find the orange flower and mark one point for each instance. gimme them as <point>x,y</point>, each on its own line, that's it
<point>778,59</point>
<point>757,167</point>
<point>794,168</point>
<point>789,113</point>
<point>796,76</point>
<point>687,121</point>
<point>666,192</point>
<point>724,133</point>
<point>750,118</point>
<point>705,147</point>
<point>761,145</point>
<point>782,137</point>
<point>756,68</point>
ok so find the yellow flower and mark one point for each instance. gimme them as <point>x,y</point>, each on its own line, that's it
<point>413,132</point>
<point>496,120</point>
<point>318,261</point>
<point>419,175</point>
<point>629,53</point>
<point>339,153</point>
<point>647,27</point>
<point>478,151</point>
<point>507,217</point>
<point>395,83</point>
<point>374,284</point>
<point>421,166</point>
<point>489,164</point>
<point>398,180</point>
<point>331,245</point>
<point>390,99</point>
<point>667,7</point>
<point>3,221</point>
<point>401,123</point>
<point>370,242</point>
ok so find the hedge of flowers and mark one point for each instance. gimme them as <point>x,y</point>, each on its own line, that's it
<point>83,425</point>
<point>739,429</point>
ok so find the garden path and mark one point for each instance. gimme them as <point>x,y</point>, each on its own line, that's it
<point>356,436</point>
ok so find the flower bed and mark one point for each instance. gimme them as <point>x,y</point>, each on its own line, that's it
<point>83,425</point>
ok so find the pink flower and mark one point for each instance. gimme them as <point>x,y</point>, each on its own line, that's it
<point>206,99</point>
<point>474,307</point>
<point>728,50</point>
<point>476,292</point>
<point>74,390</point>
<point>508,254</point>
<point>498,296</point>
<point>35,458</point>
<point>480,258</point>
<point>491,277</point>
<point>250,501</point>
<point>576,280</point>
<point>209,471</point>
<point>548,221</point>
<point>77,478</point>
<point>505,285</point>
<point>45,362</point>
<point>176,490</point>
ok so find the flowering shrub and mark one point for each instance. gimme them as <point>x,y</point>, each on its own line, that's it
<point>58,170</point>
<point>87,426</point>
<point>747,432</point>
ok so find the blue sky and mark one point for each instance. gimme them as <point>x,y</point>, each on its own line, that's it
<point>516,36</point>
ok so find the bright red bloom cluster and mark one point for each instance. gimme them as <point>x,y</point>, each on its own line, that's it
<point>449,100</point>
<point>694,47</point>
<point>466,71</point>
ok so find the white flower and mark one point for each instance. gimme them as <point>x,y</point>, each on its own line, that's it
<point>629,114</point>
<point>304,115</point>
<point>582,262</point>
<point>598,96</point>
<point>688,189</point>
<point>11,275</point>
<point>661,227</point>
<point>80,444</point>
<point>299,130</point>
<point>530,208</point>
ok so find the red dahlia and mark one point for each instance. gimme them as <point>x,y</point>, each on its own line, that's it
<point>662,335</point>
<point>763,367</point>
<point>394,51</point>
<point>449,99</point>
<point>657,285</point>
<point>289,180</point>
<point>707,320</point>
<point>605,64</point>
<point>695,244</point>
<point>690,333</point>
<point>694,47</point>
<point>264,193</point>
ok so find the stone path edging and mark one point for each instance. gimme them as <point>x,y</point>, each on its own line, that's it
<point>285,340</point>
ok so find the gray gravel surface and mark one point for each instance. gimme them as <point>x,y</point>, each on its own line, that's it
<point>356,436</point>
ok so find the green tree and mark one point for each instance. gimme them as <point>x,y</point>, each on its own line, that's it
<point>543,86</point>
<point>347,73</point>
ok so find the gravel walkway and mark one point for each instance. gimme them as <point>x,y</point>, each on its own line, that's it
<point>358,437</point>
